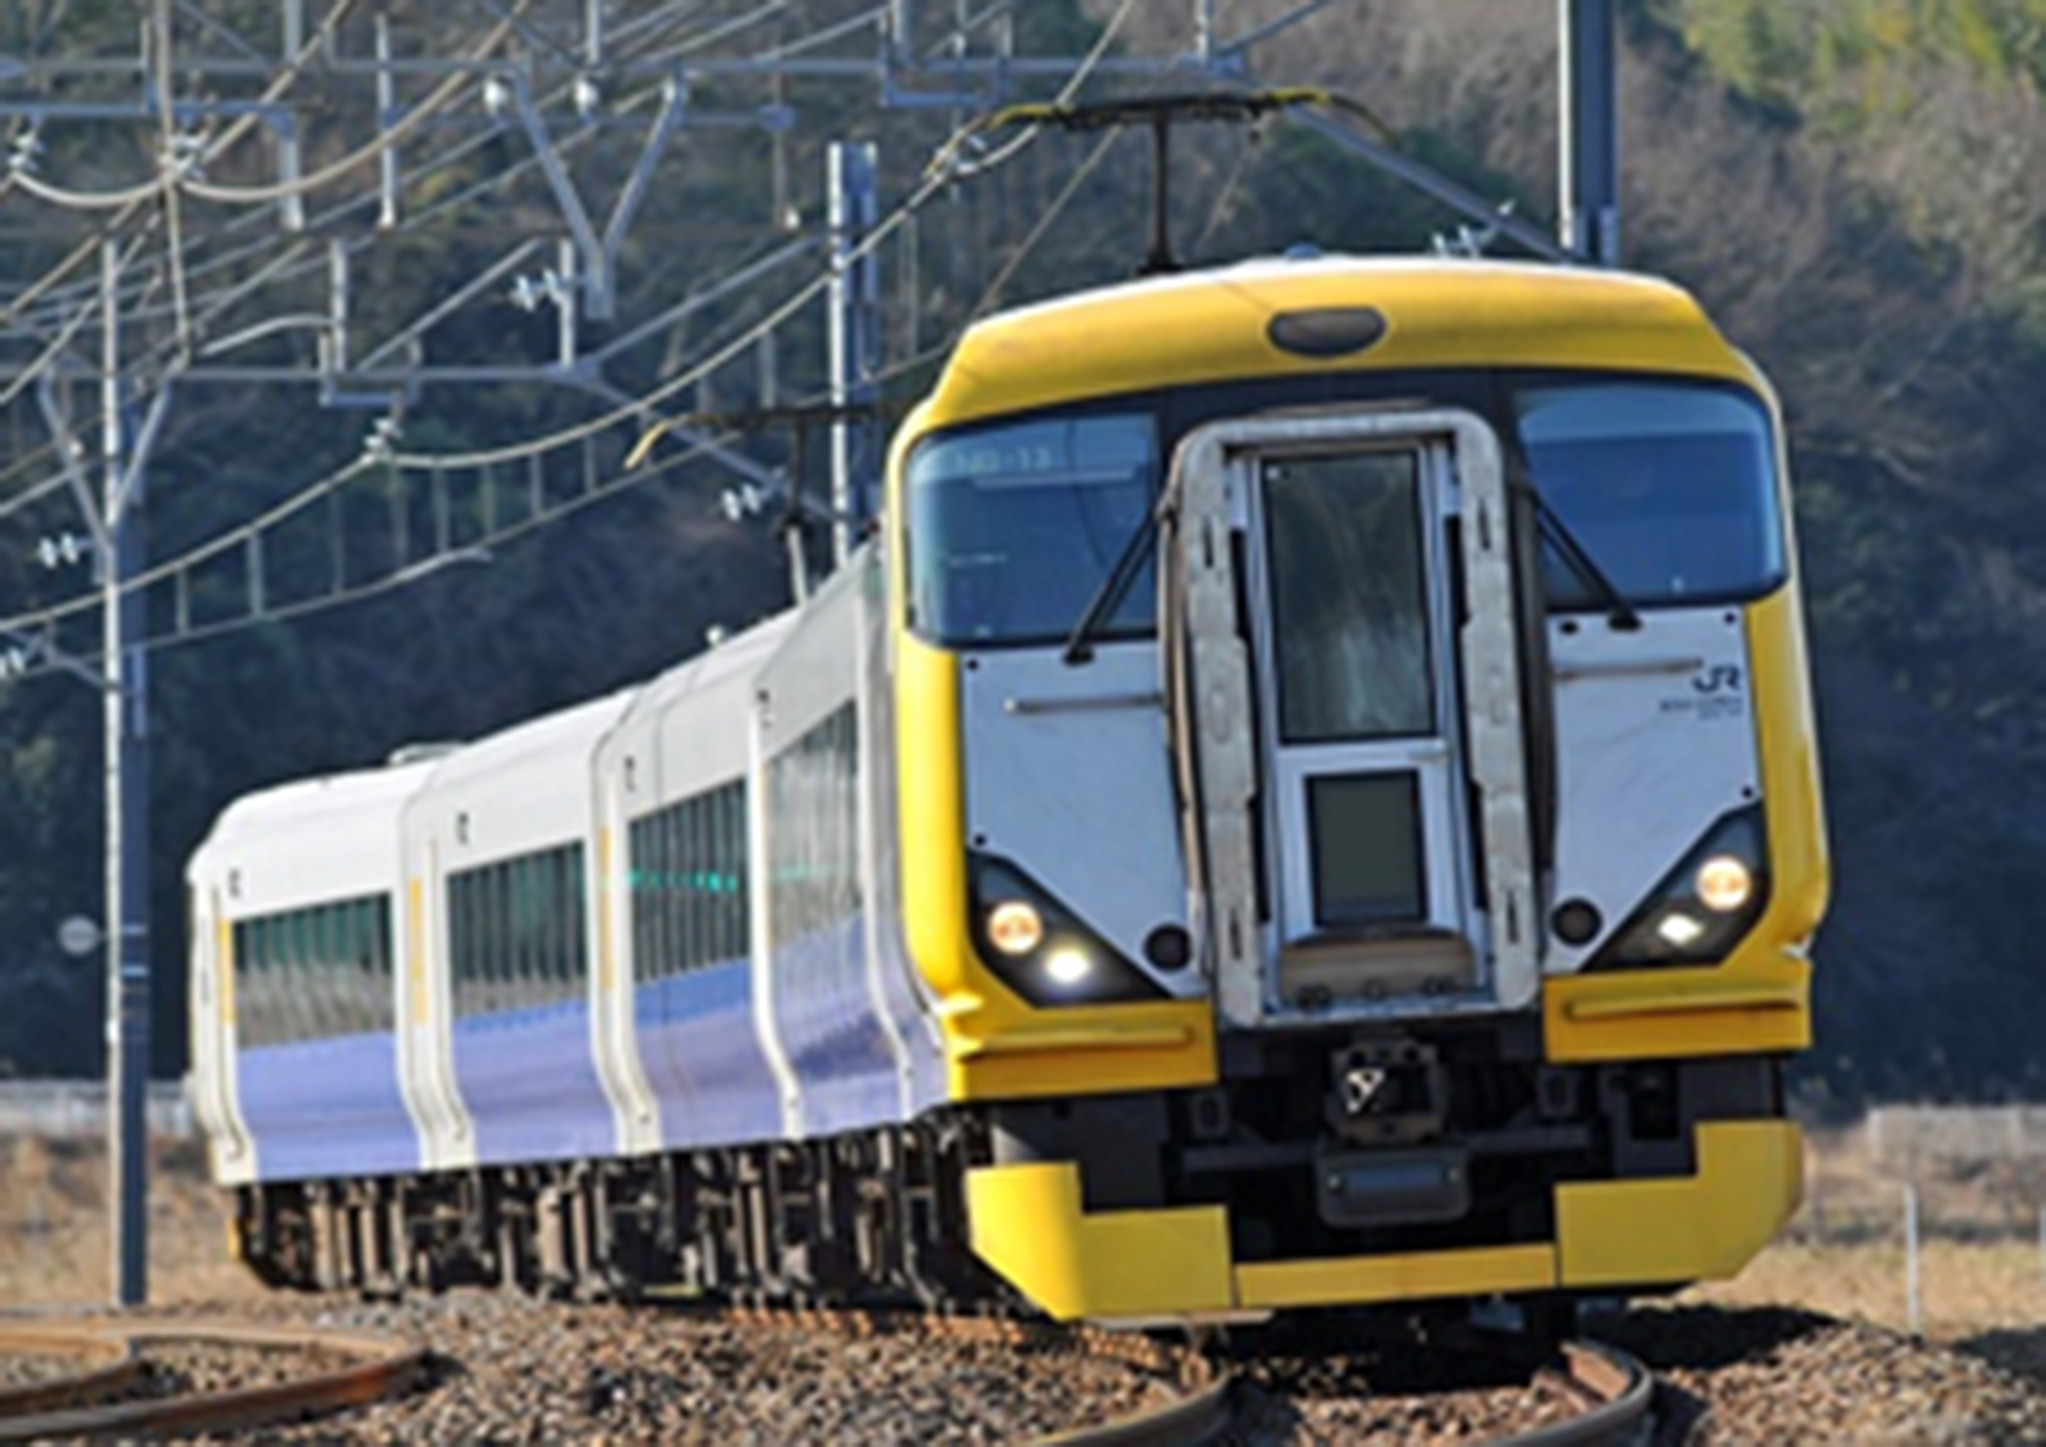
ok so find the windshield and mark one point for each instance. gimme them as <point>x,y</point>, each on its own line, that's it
<point>1012,529</point>
<point>1670,488</point>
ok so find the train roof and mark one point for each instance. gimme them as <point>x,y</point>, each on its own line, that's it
<point>525,788</point>
<point>1213,325</point>
<point>688,728</point>
<point>559,736</point>
<point>741,653</point>
<point>323,838</point>
<point>336,835</point>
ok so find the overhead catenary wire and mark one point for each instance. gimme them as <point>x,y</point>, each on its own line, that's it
<point>177,175</point>
<point>70,314</point>
<point>619,484</point>
<point>947,156</point>
<point>733,348</point>
<point>429,566</point>
<point>453,155</point>
<point>934,179</point>
<point>534,448</point>
<point>313,492</point>
<point>85,250</point>
<point>468,145</point>
<point>275,516</point>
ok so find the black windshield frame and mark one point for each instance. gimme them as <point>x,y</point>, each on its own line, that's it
<point>1095,468</point>
<point>1722,510</point>
<point>1491,393</point>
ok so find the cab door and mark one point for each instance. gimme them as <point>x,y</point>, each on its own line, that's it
<point>1368,654</point>
<point>1367,856</point>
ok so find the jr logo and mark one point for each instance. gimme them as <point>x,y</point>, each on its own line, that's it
<point>1721,678</point>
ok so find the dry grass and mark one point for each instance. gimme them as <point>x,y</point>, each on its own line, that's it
<point>1966,1288</point>
<point>1981,1267</point>
<point>54,1233</point>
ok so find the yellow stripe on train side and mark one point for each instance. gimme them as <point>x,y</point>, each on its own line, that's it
<point>223,966</point>
<point>415,952</point>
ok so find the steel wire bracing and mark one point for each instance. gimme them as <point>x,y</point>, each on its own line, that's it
<point>382,126</point>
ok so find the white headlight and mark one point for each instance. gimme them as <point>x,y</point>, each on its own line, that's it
<point>1068,966</point>
<point>1724,884</point>
<point>1014,927</point>
<point>1680,929</point>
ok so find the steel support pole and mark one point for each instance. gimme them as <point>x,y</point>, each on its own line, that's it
<point>1590,175</point>
<point>855,344</point>
<point>127,810</point>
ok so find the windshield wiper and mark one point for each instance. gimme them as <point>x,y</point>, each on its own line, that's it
<point>1079,643</point>
<point>1108,597</point>
<point>1619,612</point>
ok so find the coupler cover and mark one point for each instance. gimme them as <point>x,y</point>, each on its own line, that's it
<point>1392,1188</point>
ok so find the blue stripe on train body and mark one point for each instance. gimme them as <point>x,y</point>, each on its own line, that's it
<point>702,1057</point>
<point>530,1085</point>
<point>824,1018</point>
<point>326,1107</point>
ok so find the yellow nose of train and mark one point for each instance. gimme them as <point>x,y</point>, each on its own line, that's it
<point>1357,790</point>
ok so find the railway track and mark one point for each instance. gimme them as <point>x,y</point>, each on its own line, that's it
<point>1617,1395</point>
<point>1385,1383</point>
<point>117,1390</point>
<point>1606,1397</point>
<point>130,1378</point>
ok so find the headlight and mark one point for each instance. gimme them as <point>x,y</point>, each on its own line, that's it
<point>1014,927</point>
<point>1680,929</point>
<point>1724,884</point>
<point>1702,908</point>
<point>1068,966</point>
<point>1042,950</point>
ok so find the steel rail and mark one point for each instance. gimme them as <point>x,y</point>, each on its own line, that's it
<point>120,1369</point>
<point>379,1367</point>
<point>1186,1422</point>
<point>1620,1392</point>
<point>1201,1410</point>
<point>1617,1394</point>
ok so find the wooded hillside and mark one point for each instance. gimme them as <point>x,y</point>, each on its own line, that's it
<point>1853,187</point>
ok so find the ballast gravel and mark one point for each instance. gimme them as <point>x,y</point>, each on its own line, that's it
<point>509,1370</point>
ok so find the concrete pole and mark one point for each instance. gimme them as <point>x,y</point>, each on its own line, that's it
<point>127,817</point>
<point>855,344</point>
<point>1590,175</point>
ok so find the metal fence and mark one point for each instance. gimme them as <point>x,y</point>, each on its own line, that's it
<point>1903,1136</point>
<point>77,1108</point>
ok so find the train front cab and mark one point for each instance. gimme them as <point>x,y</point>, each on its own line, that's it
<point>1404,1070</point>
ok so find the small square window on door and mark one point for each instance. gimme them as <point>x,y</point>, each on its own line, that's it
<point>1365,833</point>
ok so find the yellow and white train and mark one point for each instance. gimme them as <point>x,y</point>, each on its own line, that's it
<point>1308,798</point>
